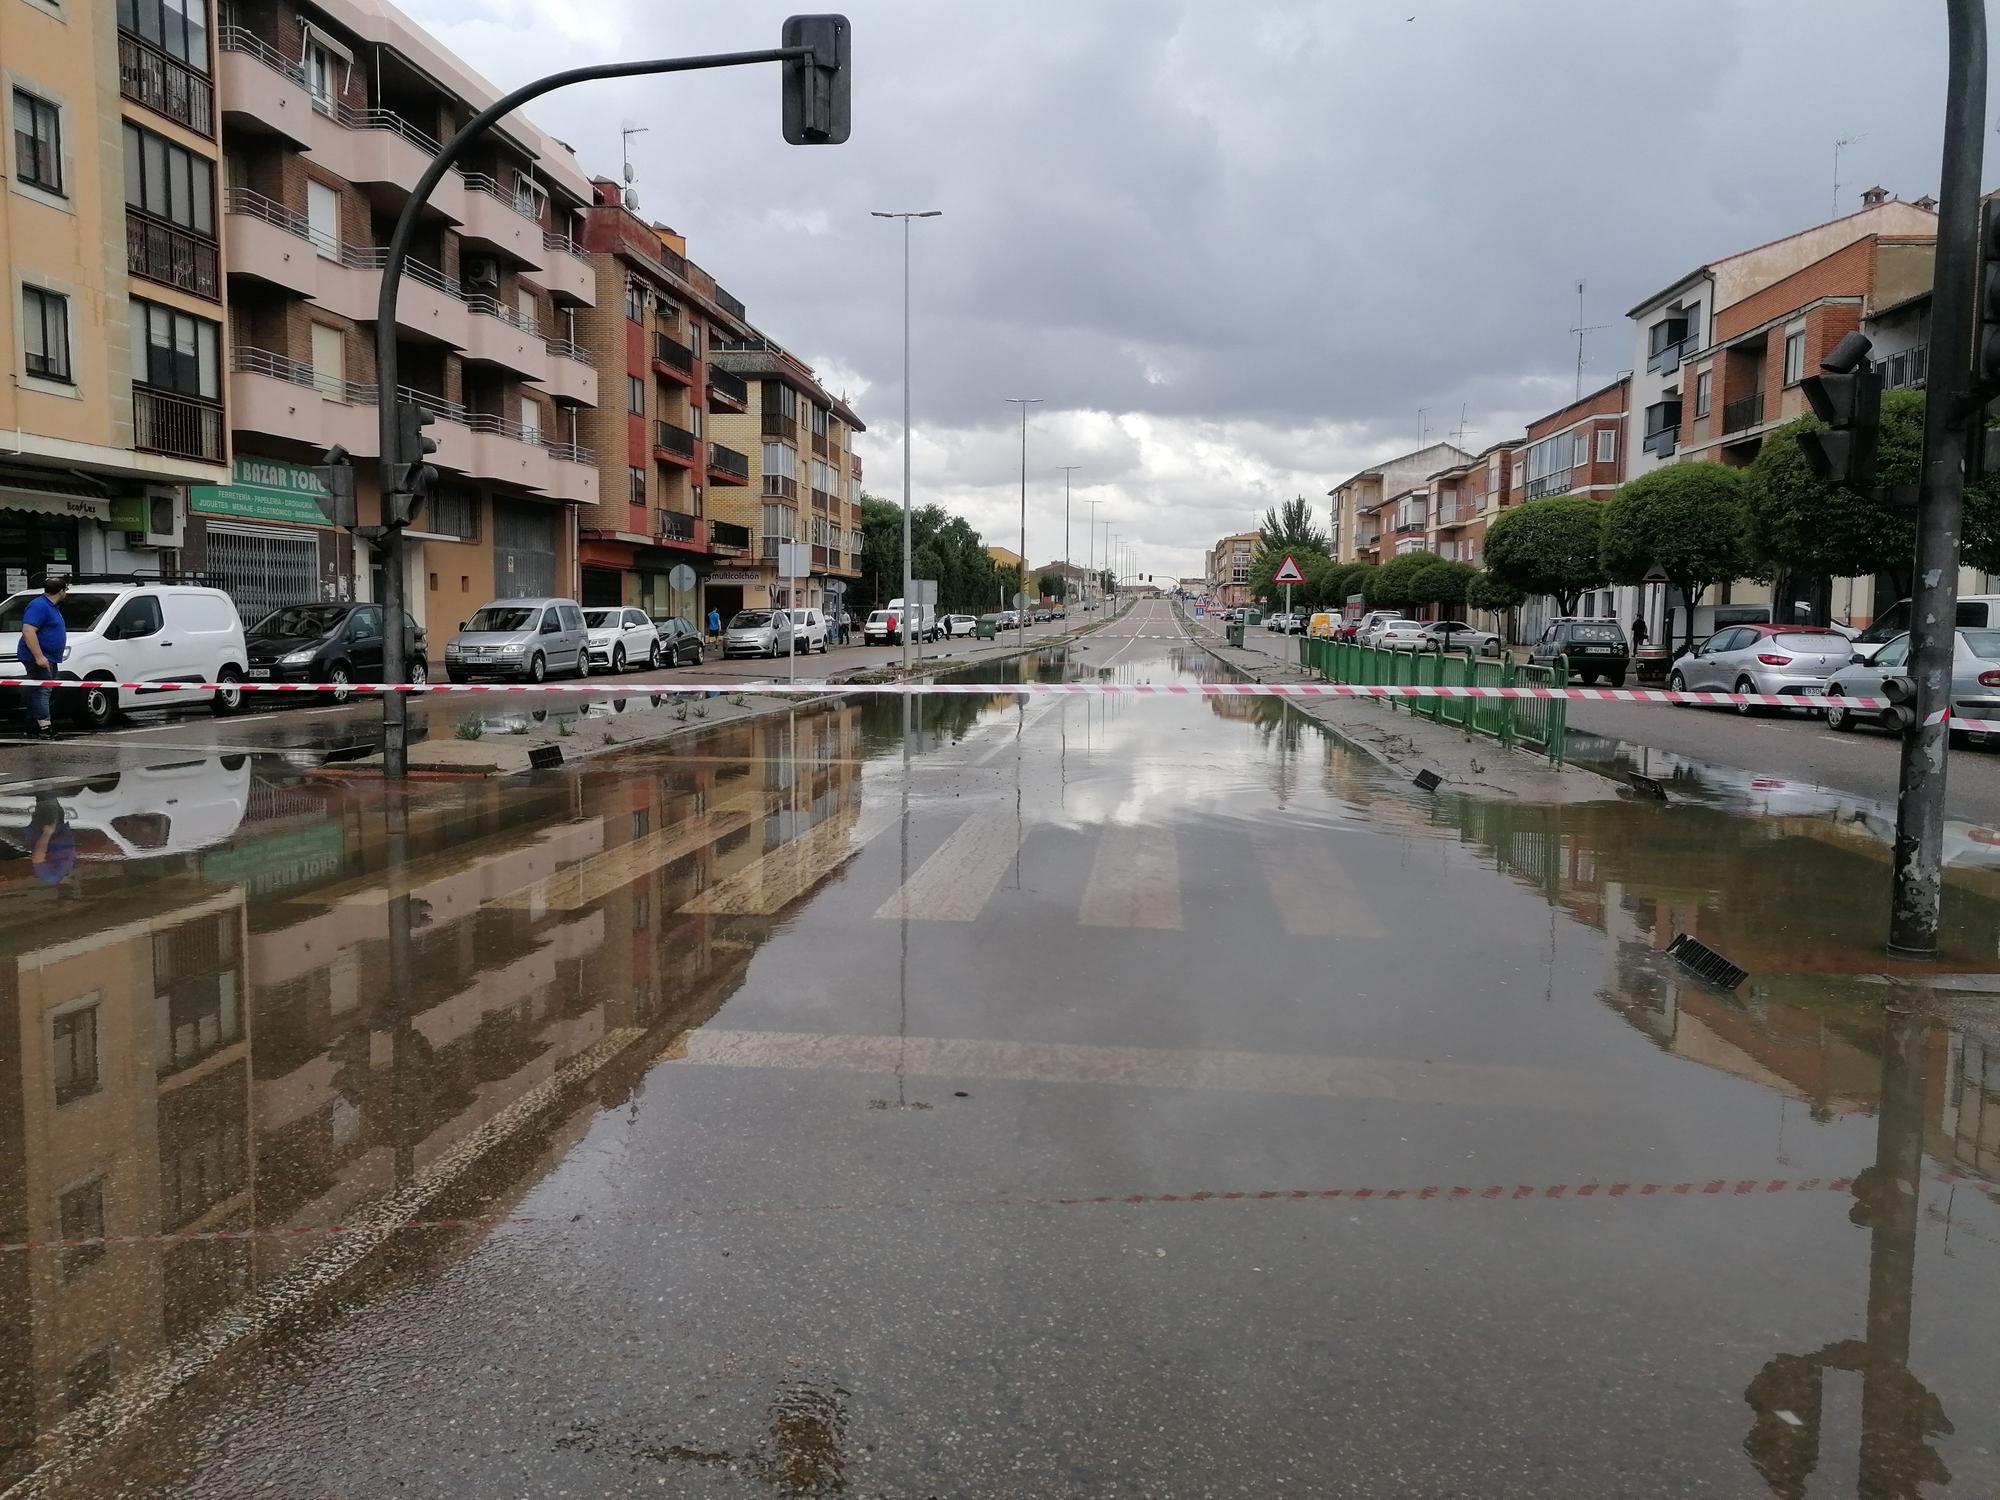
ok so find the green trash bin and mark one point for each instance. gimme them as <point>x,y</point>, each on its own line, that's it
<point>1235,633</point>
<point>989,627</point>
<point>1252,617</point>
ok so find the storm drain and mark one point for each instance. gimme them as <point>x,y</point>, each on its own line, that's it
<point>1704,962</point>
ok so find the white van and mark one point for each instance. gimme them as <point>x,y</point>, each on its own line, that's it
<point>137,632</point>
<point>1975,612</point>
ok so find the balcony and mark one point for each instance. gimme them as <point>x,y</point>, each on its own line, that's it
<point>572,373</point>
<point>822,556</point>
<point>567,274</point>
<point>1661,443</point>
<point>1746,413</point>
<point>724,461</point>
<point>674,445</point>
<point>429,305</point>
<point>172,256</point>
<point>177,425</point>
<point>673,359</point>
<point>726,539</point>
<point>726,392</point>
<point>770,546</point>
<point>1679,342</point>
<point>502,219</point>
<point>678,530</point>
<point>778,425</point>
<point>1410,528</point>
<point>498,335</point>
<point>819,445</point>
<point>732,306</point>
<point>780,487</point>
<point>165,85</point>
<point>821,500</point>
<point>1557,483</point>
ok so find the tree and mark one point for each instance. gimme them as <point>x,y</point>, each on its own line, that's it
<point>1687,520</point>
<point>1291,528</point>
<point>1486,592</point>
<point>1264,569</point>
<point>1550,547</point>
<point>1051,585</point>
<point>1394,585</point>
<point>1444,582</point>
<point>1347,580</point>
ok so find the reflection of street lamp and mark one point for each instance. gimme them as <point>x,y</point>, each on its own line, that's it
<point>909,569</point>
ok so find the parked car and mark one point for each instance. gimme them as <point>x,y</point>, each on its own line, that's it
<point>1371,624</point>
<point>1595,649</point>
<point>757,632</point>
<point>679,640</point>
<point>879,628</point>
<point>808,631</point>
<point>1456,635</point>
<point>1400,635</point>
<point>1781,659</point>
<point>1975,612</point>
<point>1276,621</point>
<point>333,643</point>
<point>178,806</point>
<point>622,637</point>
<point>1975,679</point>
<point>527,638</point>
<point>162,633</point>
<point>957,625</point>
<point>1059,613</point>
<point>1325,626</point>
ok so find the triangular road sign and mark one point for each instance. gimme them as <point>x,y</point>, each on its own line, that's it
<point>1288,572</point>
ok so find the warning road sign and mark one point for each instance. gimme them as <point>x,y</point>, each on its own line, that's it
<point>1288,572</point>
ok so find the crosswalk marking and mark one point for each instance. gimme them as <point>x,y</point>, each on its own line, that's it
<point>1135,881</point>
<point>957,881</point>
<point>594,878</point>
<point>1034,716</point>
<point>1312,888</point>
<point>768,885</point>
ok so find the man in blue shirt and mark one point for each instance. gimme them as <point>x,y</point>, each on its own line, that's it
<point>44,634</point>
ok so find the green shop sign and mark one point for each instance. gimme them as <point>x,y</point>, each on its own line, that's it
<point>280,861</point>
<point>265,490</point>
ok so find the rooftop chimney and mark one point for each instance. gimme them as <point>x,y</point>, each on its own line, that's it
<point>1875,197</point>
<point>1927,203</point>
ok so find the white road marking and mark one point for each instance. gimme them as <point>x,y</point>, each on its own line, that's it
<point>957,881</point>
<point>1135,881</point>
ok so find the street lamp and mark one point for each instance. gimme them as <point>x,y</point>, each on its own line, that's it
<point>909,566</point>
<point>1090,546</point>
<point>1068,473</point>
<point>1024,402</point>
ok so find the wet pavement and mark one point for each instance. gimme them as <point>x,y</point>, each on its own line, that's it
<point>982,1097</point>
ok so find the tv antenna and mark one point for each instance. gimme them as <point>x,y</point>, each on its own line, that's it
<point>1458,438</point>
<point>1582,330</point>
<point>625,135</point>
<point>1839,146</point>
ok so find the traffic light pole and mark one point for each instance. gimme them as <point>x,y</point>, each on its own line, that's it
<point>395,464</point>
<point>1952,413</point>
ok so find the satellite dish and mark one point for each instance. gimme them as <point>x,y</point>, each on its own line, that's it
<point>631,200</point>
<point>629,173</point>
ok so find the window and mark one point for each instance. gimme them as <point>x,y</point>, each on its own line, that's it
<point>454,512</point>
<point>778,521</point>
<point>1664,340</point>
<point>1795,357</point>
<point>819,420</point>
<point>1579,453</point>
<point>1607,445</point>
<point>1702,385</point>
<point>323,219</point>
<point>169,181</point>
<point>635,479</point>
<point>136,619</point>
<point>80,1216</point>
<point>531,419</point>
<point>694,337</point>
<point>319,77</point>
<point>174,351</point>
<point>635,395</point>
<point>73,1053</point>
<point>37,142</point>
<point>329,360</point>
<point>635,302</point>
<point>781,459</point>
<point>694,420</point>
<point>178,28</point>
<point>45,334</point>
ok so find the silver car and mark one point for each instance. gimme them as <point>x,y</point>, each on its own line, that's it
<point>1975,679</point>
<point>527,638</point>
<point>1788,660</point>
<point>758,632</point>
<point>1456,635</point>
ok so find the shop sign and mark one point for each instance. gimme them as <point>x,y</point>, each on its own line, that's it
<point>264,490</point>
<point>735,575</point>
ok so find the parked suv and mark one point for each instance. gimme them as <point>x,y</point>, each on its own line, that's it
<point>1595,649</point>
<point>621,637</point>
<point>525,638</point>
<point>336,643</point>
<point>162,633</point>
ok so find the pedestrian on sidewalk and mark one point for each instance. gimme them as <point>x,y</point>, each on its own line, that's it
<point>44,633</point>
<point>1638,631</point>
<point>714,622</point>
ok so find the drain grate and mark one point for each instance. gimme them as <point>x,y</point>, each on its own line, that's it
<point>1704,962</point>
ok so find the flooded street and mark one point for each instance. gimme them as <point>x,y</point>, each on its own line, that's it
<point>984,1096</point>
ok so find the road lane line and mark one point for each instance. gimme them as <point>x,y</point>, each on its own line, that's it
<point>767,886</point>
<point>1034,717</point>
<point>1135,881</point>
<point>957,881</point>
<point>1313,889</point>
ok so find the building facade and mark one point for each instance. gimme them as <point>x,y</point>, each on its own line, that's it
<point>112,315</point>
<point>1229,567</point>
<point>1360,515</point>
<point>1467,496</point>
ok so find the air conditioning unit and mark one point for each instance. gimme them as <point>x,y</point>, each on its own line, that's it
<point>154,518</point>
<point>483,275</point>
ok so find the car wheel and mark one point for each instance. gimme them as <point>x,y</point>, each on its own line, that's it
<point>1616,679</point>
<point>538,667</point>
<point>418,672</point>
<point>653,657</point>
<point>617,659</point>
<point>1746,710</point>
<point>96,706</point>
<point>341,681</point>
<point>1677,684</point>
<point>229,696</point>
<point>582,665</point>
<point>1838,717</point>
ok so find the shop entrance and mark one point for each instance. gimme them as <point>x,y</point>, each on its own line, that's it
<point>603,588</point>
<point>724,598</point>
<point>31,543</point>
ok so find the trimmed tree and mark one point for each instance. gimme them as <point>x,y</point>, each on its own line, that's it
<point>1051,585</point>
<point>1687,520</point>
<point>1394,585</point>
<point>1552,547</point>
<point>1444,582</point>
<point>1486,592</point>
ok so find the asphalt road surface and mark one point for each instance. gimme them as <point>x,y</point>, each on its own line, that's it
<point>985,1096</point>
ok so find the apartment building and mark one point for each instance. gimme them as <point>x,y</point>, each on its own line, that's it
<point>801,482</point>
<point>1578,449</point>
<point>658,316</point>
<point>1229,566</point>
<point>1467,496</point>
<point>330,111</point>
<point>112,314</point>
<point>1360,502</point>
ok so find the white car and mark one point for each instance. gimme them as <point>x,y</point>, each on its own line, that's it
<point>144,812</point>
<point>1401,635</point>
<point>1369,631</point>
<point>808,631</point>
<point>955,625</point>
<point>621,638</point>
<point>162,633</point>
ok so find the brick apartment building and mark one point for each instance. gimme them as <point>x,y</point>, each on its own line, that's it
<point>1229,567</point>
<point>1360,516</point>
<point>1467,496</point>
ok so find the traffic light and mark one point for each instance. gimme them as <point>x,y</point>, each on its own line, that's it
<point>819,90</point>
<point>336,476</point>
<point>415,480</point>
<point>1986,349</point>
<point>1902,695</point>
<point>1847,396</point>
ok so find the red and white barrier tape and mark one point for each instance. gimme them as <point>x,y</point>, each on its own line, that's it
<point>777,688</point>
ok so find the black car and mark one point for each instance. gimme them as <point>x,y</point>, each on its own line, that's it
<point>336,643</point>
<point>1595,649</point>
<point>679,641</point>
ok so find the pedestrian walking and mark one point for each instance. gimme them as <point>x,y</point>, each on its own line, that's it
<point>1638,632</point>
<point>714,623</point>
<point>44,633</point>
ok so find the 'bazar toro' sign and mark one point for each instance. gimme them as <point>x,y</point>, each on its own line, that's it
<point>265,489</point>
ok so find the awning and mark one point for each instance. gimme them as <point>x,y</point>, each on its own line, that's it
<point>53,493</point>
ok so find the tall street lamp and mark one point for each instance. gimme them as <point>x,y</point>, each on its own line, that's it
<point>1090,546</point>
<point>909,565</point>
<point>1068,473</point>
<point>1024,402</point>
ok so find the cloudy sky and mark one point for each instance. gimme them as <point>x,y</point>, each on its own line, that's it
<point>1235,244</point>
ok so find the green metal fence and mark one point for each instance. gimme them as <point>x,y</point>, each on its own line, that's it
<point>1534,723</point>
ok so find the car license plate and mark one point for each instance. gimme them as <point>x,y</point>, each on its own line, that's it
<point>1598,650</point>
<point>260,671</point>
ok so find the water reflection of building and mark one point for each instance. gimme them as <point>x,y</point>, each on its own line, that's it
<point>217,1060</point>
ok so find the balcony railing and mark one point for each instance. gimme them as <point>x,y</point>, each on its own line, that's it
<point>674,439</point>
<point>270,210</point>
<point>729,387</point>
<point>241,39</point>
<point>172,423</point>
<point>727,536</point>
<point>781,487</point>
<point>1748,412</point>
<point>1668,357</point>
<point>276,366</point>
<point>821,500</point>
<point>727,460</point>
<point>778,425</point>
<point>572,453</point>
<point>563,244</point>
<point>492,307</point>
<point>524,204</point>
<point>1661,443</point>
<point>673,353</point>
<point>819,445</point>
<point>1907,371</point>
<point>1557,483</point>
<point>731,305</point>
<point>676,527</point>
<point>170,255</point>
<point>165,84</point>
<point>1410,528</point>
<point>564,349</point>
